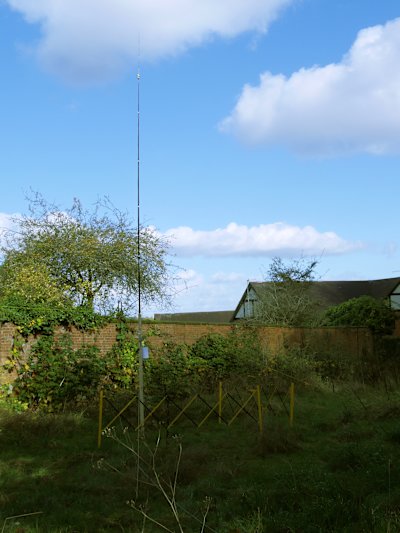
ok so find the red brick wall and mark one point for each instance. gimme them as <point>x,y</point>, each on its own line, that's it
<point>352,341</point>
<point>6,339</point>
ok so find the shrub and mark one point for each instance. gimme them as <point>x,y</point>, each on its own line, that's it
<point>10,402</point>
<point>228,357</point>
<point>334,367</point>
<point>121,362</point>
<point>170,372</point>
<point>214,353</point>
<point>364,311</point>
<point>55,374</point>
<point>293,364</point>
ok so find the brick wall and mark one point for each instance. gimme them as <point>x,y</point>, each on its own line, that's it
<point>356,342</point>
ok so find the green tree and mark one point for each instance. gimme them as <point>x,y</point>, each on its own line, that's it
<point>285,299</point>
<point>30,283</point>
<point>364,311</point>
<point>88,257</point>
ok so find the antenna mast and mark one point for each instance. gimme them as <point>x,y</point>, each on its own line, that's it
<point>139,267</point>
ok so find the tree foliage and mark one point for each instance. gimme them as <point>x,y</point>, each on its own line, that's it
<point>29,282</point>
<point>285,300</point>
<point>364,311</point>
<point>86,257</point>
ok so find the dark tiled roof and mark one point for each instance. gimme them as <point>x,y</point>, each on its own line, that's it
<point>326,293</point>
<point>210,317</point>
<point>329,293</point>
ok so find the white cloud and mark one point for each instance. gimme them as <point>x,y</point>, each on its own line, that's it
<point>263,240</point>
<point>92,39</point>
<point>185,281</point>
<point>196,291</point>
<point>189,276</point>
<point>227,277</point>
<point>7,223</point>
<point>345,107</point>
<point>7,220</point>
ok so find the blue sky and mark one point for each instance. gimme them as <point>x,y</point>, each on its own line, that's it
<point>268,128</point>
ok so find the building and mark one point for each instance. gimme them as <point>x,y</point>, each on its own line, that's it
<point>326,294</point>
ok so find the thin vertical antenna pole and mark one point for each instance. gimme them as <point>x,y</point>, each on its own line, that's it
<point>138,198</point>
<point>139,266</point>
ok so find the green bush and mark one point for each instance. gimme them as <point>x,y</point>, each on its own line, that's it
<point>334,367</point>
<point>237,355</point>
<point>250,360</point>
<point>9,402</point>
<point>293,364</point>
<point>213,353</point>
<point>364,311</point>
<point>121,363</point>
<point>178,369</point>
<point>54,374</point>
<point>171,372</point>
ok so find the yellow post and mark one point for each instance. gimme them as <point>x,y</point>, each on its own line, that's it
<point>291,404</point>
<point>211,411</point>
<point>100,429</point>
<point>220,402</point>
<point>259,406</point>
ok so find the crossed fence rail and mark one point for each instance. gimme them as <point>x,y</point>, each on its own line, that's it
<point>227,409</point>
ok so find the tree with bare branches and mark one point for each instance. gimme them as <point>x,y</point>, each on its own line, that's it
<point>285,300</point>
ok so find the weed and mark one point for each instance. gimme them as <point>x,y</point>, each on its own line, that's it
<point>278,437</point>
<point>319,475</point>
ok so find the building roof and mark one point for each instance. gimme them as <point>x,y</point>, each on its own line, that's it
<point>209,317</point>
<point>326,293</point>
<point>330,293</point>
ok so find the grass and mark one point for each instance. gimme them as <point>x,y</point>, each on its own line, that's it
<point>336,470</point>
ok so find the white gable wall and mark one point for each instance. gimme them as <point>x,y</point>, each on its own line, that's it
<point>395,298</point>
<point>246,309</point>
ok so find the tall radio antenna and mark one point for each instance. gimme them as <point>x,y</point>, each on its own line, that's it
<point>139,267</point>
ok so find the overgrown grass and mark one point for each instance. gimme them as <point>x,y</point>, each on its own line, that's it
<point>336,470</point>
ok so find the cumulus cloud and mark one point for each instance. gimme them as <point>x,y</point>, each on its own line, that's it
<point>92,39</point>
<point>345,107</point>
<point>263,240</point>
